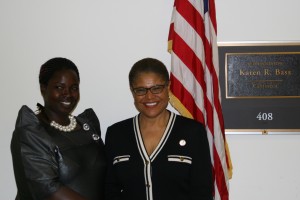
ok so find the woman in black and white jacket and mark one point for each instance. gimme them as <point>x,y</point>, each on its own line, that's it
<point>156,155</point>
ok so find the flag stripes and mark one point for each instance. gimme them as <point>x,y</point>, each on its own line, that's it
<point>195,90</point>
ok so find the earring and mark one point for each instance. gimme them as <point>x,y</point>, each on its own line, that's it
<point>38,110</point>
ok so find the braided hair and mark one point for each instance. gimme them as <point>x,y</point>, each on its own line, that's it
<point>53,65</point>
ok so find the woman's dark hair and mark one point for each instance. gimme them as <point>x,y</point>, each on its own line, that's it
<point>148,65</point>
<point>53,65</point>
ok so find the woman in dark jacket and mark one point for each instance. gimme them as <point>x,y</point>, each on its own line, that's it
<point>156,155</point>
<point>55,154</point>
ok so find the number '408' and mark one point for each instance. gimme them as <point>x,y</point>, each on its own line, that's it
<point>264,116</point>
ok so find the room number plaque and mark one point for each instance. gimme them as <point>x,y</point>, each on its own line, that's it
<point>260,86</point>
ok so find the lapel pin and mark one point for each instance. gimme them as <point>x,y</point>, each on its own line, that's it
<point>182,142</point>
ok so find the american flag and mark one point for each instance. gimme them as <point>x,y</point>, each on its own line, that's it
<point>194,76</point>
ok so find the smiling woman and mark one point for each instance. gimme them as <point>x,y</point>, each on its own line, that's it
<point>55,154</point>
<point>156,154</point>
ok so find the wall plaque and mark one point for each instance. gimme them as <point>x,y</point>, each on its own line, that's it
<point>260,86</point>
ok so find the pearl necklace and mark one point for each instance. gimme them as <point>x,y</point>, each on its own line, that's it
<point>68,128</point>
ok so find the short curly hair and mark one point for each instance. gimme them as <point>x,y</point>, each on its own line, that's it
<point>147,65</point>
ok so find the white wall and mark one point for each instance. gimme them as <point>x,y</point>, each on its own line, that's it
<point>266,167</point>
<point>104,38</point>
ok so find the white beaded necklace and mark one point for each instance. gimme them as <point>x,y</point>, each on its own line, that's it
<point>68,128</point>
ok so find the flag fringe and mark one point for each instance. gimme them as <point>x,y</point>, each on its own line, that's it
<point>176,103</point>
<point>170,46</point>
<point>230,167</point>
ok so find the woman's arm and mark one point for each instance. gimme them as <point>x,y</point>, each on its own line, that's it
<point>65,193</point>
<point>36,166</point>
<point>112,188</point>
<point>201,171</point>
